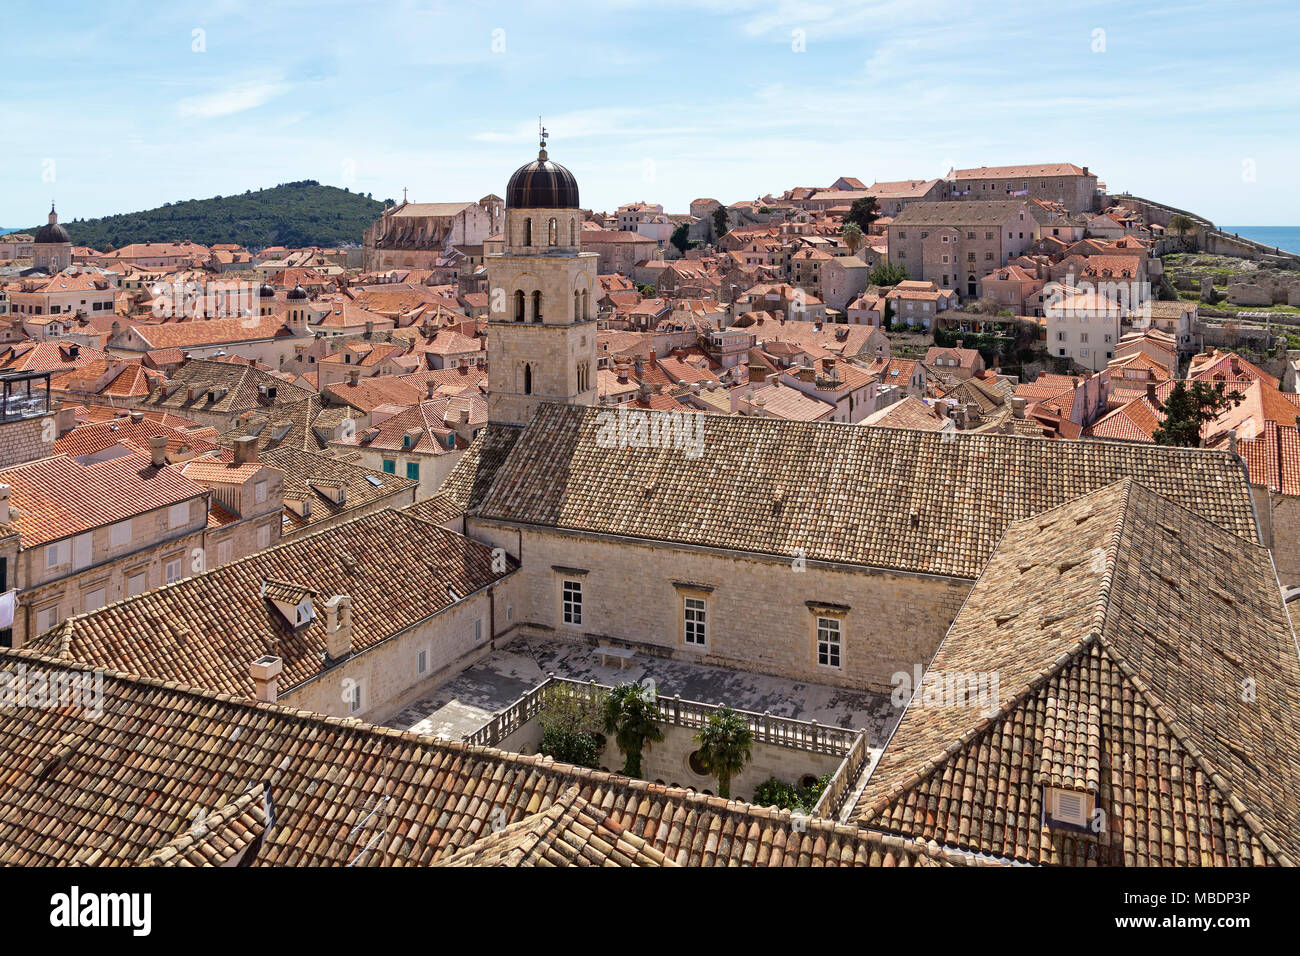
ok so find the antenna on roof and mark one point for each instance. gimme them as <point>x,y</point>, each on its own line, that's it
<point>541,132</point>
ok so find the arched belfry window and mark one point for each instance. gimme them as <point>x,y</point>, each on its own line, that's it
<point>528,380</point>
<point>586,304</point>
<point>573,232</point>
<point>577,305</point>
<point>537,306</point>
<point>552,233</point>
<point>519,305</point>
<point>528,232</point>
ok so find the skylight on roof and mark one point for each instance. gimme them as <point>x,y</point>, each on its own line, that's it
<point>373,480</point>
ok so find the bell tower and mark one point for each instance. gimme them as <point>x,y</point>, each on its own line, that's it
<point>541,317</point>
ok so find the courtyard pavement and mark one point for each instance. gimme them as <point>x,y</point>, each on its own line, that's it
<point>464,703</point>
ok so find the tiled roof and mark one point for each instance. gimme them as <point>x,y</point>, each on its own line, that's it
<point>305,472</point>
<point>1002,172</point>
<point>90,438</point>
<point>910,412</point>
<point>128,785</point>
<point>571,832</point>
<point>916,501</point>
<point>469,482</point>
<point>988,212</point>
<point>237,386</point>
<point>1144,658</point>
<point>439,509</point>
<point>57,497</point>
<point>191,334</point>
<point>205,630</point>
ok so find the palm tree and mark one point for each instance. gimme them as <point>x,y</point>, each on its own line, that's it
<point>852,237</point>
<point>726,743</point>
<point>633,718</point>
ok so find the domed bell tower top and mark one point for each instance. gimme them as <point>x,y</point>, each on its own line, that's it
<point>542,207</point>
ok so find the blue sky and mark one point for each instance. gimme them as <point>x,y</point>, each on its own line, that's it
<point>1195,104</point>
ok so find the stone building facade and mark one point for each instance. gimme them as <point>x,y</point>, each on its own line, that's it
<point>759,613</point>
<point>425,235</point>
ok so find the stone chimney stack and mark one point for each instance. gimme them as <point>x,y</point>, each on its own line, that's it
<point>1151,391</point>
<point>354,376</point>
<point>158,450</point>
<point>4,504</point>
<point>265,672</point>
<point>1232,441</point>
<point>245,450</point>
<point>1018,407</point>
<point>338,627</point>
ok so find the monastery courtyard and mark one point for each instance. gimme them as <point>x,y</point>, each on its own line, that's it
<point>464,703</point>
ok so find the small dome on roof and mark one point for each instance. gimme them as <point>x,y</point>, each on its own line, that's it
<point>297,292</point>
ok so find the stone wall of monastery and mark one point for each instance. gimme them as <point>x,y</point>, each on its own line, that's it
<point>761,613</point>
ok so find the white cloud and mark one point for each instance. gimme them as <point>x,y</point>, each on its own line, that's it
<point>233,99</point>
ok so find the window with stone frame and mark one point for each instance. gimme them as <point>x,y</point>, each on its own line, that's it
<point>830,641</point>
<point>571,602</point>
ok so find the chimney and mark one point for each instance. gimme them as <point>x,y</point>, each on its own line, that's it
<point>338,627</point>
<point>4,504</point>
<point>354,376</point>
<point>265,672</point>
<point>806,373</point>
<point>245,450</point>
<point>960,343</point>
<point>1018,407</point>
<point>1151,391</point>
<point>1232,440</point>
<point>137,415</point>
<point>430,387</point>
<point>158,450</point>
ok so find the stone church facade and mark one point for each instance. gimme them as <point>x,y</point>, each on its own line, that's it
<point>425,235</point>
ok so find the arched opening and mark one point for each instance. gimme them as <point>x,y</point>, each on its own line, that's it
<point>528,380</point>
<point>586,304</point>
<point>552,233</point>
<point>528,232</point>
<point>537,306</point>
<point>573,232</point>
<point>970,286</point>
<point>577,305</point>
<point>519,305</point>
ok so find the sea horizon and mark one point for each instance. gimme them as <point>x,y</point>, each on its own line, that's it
<point>1286,238</point>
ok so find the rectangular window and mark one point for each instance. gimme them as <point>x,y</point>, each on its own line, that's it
<point>390,466</point>
<point>223,553</point>
<point>413,470</point>
<point>47,618</point>
<point>259,492</point>
<point>263,537</point>
<point>93,600</point>
<point>828,641</point>
<point>56,554</point>
<point>696,612</point>
<point>120,534</point>
<point>173,569</point>
<point>137,583</point>
<point>178,515</point>
<point>478,630</point>
<point>571,593</point>
<point>354,698</point>
<point>421,663</point>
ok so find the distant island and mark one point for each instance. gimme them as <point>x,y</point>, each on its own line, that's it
<point>295,214</point>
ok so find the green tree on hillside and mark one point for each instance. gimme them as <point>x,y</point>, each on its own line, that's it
<point>681,238</point>
<point>720,223</point>
<point>862,213</point>
<point>1190,406</point>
